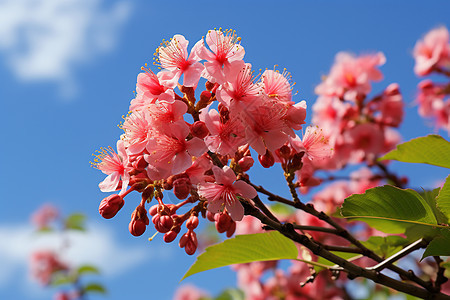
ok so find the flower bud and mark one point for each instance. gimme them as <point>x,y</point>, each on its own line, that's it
<point>210,216</point>
<point>110,206</point>
<point>192,222</point>
<point>170,236</point>
<point>246,163</point>
<point>199,129</point>
<point>209,85</point>
<point>137,227</point>
<point>147,194</point>
<point>153,210</point>
<point>140,163</point>
<point>205,99</point>
<point>182,188</point>
<point>284,152</point>
<point>267,160</point>
<point>231,229</point>
<point>223,222</point>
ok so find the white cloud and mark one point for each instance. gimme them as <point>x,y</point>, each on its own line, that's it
<point>45,39</point>
<point>98,246</point>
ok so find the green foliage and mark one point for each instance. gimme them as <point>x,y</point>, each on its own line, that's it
<point>84,269</point>
<point>431,198</point>
<point>281,209</point>
<point>389,209</point>
<point>94,288</point>
<point>62,278</point>
<point>440,245</point>
<point>443,199</point>
<point>385,246</point>
<point>244,249</point>
<point>75,222</point>
<point>431,149</point>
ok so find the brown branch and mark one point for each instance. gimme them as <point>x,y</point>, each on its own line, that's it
<point>315,228</point>
<point>353,270</point>
<point>440,277</point>
<point>342,232</point>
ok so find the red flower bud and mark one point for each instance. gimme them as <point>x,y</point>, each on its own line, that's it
<point>137,227</point>
<point>267,160</point>
<point>231,229</point>
<point>110,206</point>
<point>170,236</point>
<point>246,163</point>
<point>153,210</point>
<point>210,216</point>
<point>199,129</point>
<point>192,222</point>
<point>223,222</point>
<point>182,188</point>
<point>139,163</point>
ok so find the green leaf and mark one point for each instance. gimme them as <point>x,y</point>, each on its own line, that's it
<point>446,266</point>
<point>440,245</point>
<point>281,209</point>
<point>443,199</point>
<point>76,222</point>
<point>231,294</point>
<point>94,288</point>
<point>431,149</point>
<point>244,249</point>
<point>87,269</point>
<point>62,278</point>
<point>431,198</point>
<point>389,209</point>
<point>385,246</point>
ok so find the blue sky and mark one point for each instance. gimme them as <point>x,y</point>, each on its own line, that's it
<point>67,73</point>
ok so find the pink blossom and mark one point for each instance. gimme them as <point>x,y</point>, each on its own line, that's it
<point>391,106</point>
<point>114,165</point>
<point>239,90</point>
<point>43,264</point>
<point>350,76</point>
<point>226,137</point>
<point>163,113</point>
<point>366,140</point>
<point>432,51</point>
<point>189,292</point>
<point>170,153</point>
<point>277,85</point>
<point>266,127</point>
<point>137,128</point>
<point>362,180</point>
<point>223,193</point>
<point>225,48</point>
<point>44,215</point>
<point>315,144</point>
<point>173,57</point>
<point>196,172</point>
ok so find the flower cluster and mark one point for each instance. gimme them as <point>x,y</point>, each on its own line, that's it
<point>201,148</point>
<point>357,127</point>
<point>432,55</point>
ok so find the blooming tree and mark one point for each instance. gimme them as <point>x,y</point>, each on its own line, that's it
<point>48,266</point>
<point>202,144</point>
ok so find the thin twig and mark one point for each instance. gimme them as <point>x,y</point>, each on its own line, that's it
<point>315,228</point>
<point>440,277</point>
<point>309,208</point>
<point>405,251</point>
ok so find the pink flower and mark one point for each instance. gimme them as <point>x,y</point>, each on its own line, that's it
<point>365,140</point>
<point>196,172</point>
<point>173,57</point>
<point>225,48</point>
<point>114,165</point>
<point>391,106</point>
<point>224,138</point>
<point>136,127</point>
<point>266,127</point>
<point>315,144</point>
<point>277,85</point>
<point>189,292</point>
<point>223,193</point>
<point>170,153</point>
<point>349,76</point>
<point>163,113</point>
<point>432,51</point>
<point>239,90</point>
<point>44,215</point>
<point>43,264</point>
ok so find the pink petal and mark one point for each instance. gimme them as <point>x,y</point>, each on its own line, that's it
<point>236,210</point>
<point>196,147</point>
<point>181,162</point>
<point>192,74</point>
<point>244,189</point>
<point>110,183</point>
<point>224,176</point>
